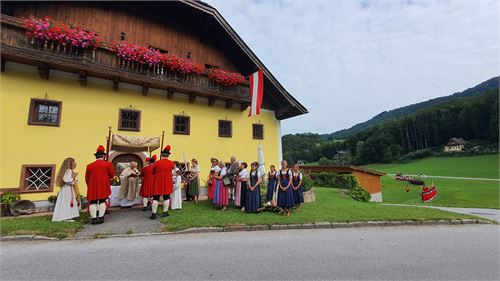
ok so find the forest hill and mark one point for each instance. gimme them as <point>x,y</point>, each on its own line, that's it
<point>474,118</point>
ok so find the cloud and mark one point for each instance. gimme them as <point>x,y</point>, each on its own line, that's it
<point>346,61</point>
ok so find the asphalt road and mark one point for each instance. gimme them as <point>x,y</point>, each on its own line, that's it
<point>465,252</point>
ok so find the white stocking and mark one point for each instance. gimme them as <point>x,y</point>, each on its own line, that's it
<point>102,209</point>
<point>154,206</point>
<point>144,201</point>
<point>93,210</point>
<point>166,204</point>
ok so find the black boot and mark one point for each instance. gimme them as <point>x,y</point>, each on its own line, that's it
<point>153,216</point>
<point>93,221</point>
<point>165,214</point>
<point>100,220</point>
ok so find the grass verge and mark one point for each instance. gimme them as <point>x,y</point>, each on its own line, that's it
<point>331,205</point>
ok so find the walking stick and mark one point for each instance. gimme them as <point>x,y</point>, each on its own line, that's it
<point>107,143</point>
<point>162,137</point>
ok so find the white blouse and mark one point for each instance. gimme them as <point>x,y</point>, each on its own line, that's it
<point>68,177</point>
<point>299,175</point>
<point>243,174</point>
<point>223,172</point>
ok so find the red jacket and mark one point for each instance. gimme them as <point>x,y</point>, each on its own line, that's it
<point>98,178</point>
<point>148,181</point>
<point>162,171</point>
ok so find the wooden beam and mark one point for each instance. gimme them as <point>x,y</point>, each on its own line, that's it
<point>43,71</point>
<point>4,60</point>
<point>82,76</point>
<point>145,89</point>
<point>211,101</point>
<point>170,94</point>
<point>116,81</point>
<point>244,106</point>
<point>229,104</point>
<point>281,110</point>
<point>192,97</point>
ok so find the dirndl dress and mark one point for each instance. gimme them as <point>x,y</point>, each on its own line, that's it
<point>298,194</point>
<point>285,197</point>
<point>271,184</point>
<point>252,203</point>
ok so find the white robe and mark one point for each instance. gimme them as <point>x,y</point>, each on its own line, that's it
<point>177,195</point>
<point>63,209</point>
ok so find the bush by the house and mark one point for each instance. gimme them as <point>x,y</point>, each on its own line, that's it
<point>359,194</point>
<point>307,182</point>
<point>345,181</point>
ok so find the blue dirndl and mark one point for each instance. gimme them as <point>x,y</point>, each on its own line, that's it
<point>217,192</point>
<point>285,198</point>
<point>253,200</point>
<point>270,189</point>
<point>298,194</point>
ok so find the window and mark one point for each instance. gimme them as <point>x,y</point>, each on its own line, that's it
<point>258,131</point>
<point>225,128</point>
<point>181,125</point>
<point>37,178</point>
<point>129,120</point>
<point>45,112</point>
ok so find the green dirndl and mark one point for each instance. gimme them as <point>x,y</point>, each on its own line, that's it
<point>194,187</point>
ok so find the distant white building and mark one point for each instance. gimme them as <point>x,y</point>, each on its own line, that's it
<point>454,145</point>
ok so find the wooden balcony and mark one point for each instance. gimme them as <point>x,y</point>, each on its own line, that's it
<point>103,63</point>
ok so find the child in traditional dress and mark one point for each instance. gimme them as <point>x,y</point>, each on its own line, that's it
<point>285,192</point>
<point>177,195</point>
<point>243,179</point>
<point>271,184</point>
<point>298,195</point>
<point>237,188</point>
<point>66,205</point>
<point>252,203</point>
<point>221,192</point>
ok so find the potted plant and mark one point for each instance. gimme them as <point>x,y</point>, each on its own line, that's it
<point>8,199</point>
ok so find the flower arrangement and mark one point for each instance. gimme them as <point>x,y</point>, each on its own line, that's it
<point>225,78</point>
<point>154,58</point>
<point>50,30</point>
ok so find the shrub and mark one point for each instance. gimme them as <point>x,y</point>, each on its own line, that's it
<point>419,154</point>
<point>10,198</point>
<point>359,194</point>
<point>345,181</point>
<point>307,182</point>
<point>323,161</point>
<point>52,199</point>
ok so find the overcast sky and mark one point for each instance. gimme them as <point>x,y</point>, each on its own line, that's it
<point>347,61</point>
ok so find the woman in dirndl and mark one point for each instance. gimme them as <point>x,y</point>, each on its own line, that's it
<point>211,180</point>
<point>194,181</point>
<point>243,191</point>
<point>298,194</point>
<point>221,192</point>
<point>285,192</point>
<point>252,203</point>
<point>271,184</point>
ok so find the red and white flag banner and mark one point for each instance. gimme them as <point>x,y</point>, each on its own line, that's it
<point>256,92</point>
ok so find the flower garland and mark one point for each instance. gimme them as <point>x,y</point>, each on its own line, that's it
<point>55,31</point>
<point>225,78</point>
<point>50,30</point>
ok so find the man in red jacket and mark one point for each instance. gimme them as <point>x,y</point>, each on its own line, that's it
<point>163,182</point>
<point>98,178</point>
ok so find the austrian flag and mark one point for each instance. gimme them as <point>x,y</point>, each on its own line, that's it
<point>256,92</point>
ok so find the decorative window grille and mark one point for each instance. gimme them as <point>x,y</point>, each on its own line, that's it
<point>37,178</point>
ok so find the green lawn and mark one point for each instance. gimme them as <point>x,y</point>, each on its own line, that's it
<point>330,205</point>
<point>451,192</point>
<point>484,166</point>
<point>41,225</point>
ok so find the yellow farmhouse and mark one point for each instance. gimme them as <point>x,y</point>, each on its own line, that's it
<point>59,98</point>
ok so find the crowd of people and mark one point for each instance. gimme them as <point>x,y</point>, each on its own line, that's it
<point>162,178</point>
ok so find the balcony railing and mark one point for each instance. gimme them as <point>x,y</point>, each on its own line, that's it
<point>102,62</point>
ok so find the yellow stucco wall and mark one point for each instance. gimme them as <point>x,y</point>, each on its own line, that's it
<point>87,111</point>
